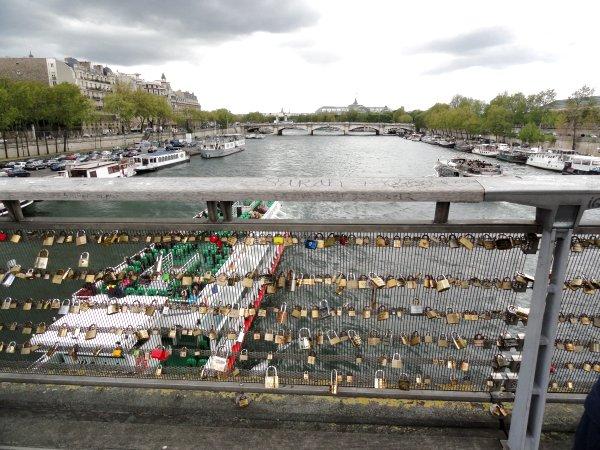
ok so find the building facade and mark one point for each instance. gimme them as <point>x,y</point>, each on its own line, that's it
<point>352,107</point>
<point>177,99</point>
<point>49,71</point>
<point>94,80</point>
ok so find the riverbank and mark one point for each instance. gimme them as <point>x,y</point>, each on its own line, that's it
<point>55,147</point>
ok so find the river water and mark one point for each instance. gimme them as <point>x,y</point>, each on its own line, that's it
<point>311,156</point>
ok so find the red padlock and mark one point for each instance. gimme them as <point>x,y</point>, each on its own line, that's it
<point>159,353</point>
<point>552,368</point>
<point>3,237</point>
<point>214,239</point>
<point>343,240</point>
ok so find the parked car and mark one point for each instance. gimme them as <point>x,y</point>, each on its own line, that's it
<point>19,173</point>
<point>61,165</point>
<point>35,165</point>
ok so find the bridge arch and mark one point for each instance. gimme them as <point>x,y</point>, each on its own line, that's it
<point>327,127</point>
<point>291,127</point>
<point>363,126</point>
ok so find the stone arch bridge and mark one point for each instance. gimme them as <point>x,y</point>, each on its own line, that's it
<point>341,127</point>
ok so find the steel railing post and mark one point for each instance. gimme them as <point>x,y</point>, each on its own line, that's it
<point>530,398</point>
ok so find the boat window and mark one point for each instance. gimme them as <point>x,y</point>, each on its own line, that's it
<point>93,174</point>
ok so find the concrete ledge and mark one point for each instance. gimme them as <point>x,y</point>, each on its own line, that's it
<point>265,410</point>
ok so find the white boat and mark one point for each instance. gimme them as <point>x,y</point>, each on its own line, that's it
<point>100,169</point>
<point>582,165</point>
<point>24,204</point>
<point>255,136</point>
<point>485,150</point>
<point>219,146</point>
<point>151,162</point>
<point>551,160</point>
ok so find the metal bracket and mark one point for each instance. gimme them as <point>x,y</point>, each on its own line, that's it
<point>442,210</point>
<point>14,209</point>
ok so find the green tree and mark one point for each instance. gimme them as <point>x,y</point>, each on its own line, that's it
<point>531,134</point>
<point>68,109</point>
<point>580,110</point>
<point>121,103</point>
<point>223,117</point>
<point>497,121</point>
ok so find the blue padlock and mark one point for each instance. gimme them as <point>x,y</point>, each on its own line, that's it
<point>310,244</point>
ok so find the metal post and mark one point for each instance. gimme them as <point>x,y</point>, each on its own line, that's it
<point>227,209</point>
<point>530,398</point>
<point>211,208</point>
<point>442,209</point>
<point>14,209</point>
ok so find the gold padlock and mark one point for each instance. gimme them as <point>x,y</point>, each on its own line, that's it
<point>452,318</point>
<point>442,284</point>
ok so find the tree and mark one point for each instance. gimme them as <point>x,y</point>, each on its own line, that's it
<point>68,109</point>
<point>580,110</point>
<point>223,117</point>
<point>531,134</point>
<point>497,120</point>
<point>121,103</point>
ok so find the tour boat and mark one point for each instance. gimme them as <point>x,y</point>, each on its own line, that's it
<point>99,169</point>
<point>446,143</point>
<point>485,150</point>
<point>219,146</point>
<point>551,160</point>
<point>415,137</point>
<point>582,165</point>
<point>462,167</point>
<point>464,146</point>
<point>151,162</point>
<point>255,136</point>
<point>517,155</point>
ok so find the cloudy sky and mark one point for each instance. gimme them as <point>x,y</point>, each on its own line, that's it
<point>263,55</point>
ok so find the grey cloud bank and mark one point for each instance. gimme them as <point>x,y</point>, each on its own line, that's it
<point>139,32</point>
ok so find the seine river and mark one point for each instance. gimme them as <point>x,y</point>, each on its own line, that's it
<point>311,156</point>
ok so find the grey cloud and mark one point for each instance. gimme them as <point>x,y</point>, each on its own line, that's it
<point>471,42</point>
<point>497,58</point>
<point>491,47</point>
<point>152,31</point>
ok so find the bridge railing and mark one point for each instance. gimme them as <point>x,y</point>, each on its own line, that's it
<point>464,310</point>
